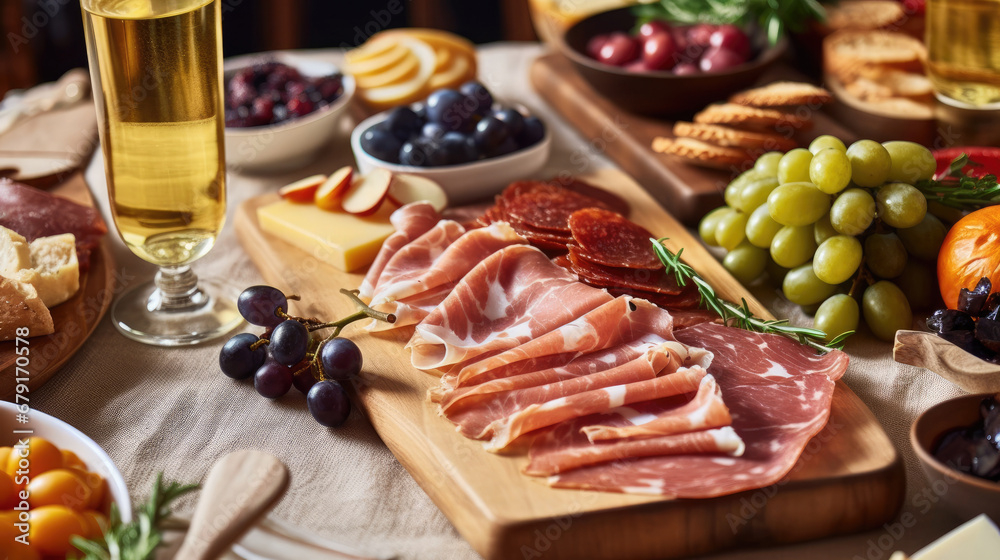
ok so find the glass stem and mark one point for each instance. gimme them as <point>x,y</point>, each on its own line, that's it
<point>176,290</point>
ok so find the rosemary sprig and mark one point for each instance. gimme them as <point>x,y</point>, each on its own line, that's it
<point>740,315</point>
<point>774,16</point>
<point>139,539</point>
<point>955,189</point>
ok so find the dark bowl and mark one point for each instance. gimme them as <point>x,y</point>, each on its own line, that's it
<point>659,93</point>
<point>965,495</point>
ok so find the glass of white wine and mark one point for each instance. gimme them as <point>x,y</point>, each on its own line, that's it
<point>156,66</point>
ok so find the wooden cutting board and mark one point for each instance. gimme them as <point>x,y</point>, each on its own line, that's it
<point>688,191</point>
<point>850,477</point>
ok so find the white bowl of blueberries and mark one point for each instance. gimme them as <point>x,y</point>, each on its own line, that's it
<point>281,110</point>
<point>462,139</point>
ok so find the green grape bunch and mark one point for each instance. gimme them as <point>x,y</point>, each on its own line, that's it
<point>842,229</point>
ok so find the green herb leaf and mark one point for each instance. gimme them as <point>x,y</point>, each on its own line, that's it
<point>740,315</point>
<point>139,539</point>
<point>773,16</point>
<point>957,190</point>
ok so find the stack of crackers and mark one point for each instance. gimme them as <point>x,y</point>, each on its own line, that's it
<point>883,70</point>
<point>753,122</point>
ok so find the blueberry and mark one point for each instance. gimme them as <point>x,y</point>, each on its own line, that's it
<point>490,133</point>
<point>532,133</point>
<point>420,108</point>
<point>481,97</point>
<point>403,123</point>
<point>509,145</point>
<point>446,107</point>
<point>413,153</point>
<point>457,148</point>
<point>514,120</point>
<point>433,131</point>
<point>381,144</point>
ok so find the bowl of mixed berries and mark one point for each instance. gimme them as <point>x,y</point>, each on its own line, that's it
<point>281,109</point>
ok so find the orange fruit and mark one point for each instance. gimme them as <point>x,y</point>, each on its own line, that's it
<point>61,487</point>
<point>969,253</point>
<point>53,527</point>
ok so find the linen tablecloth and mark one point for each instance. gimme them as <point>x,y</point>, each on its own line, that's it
<point>172,410</point>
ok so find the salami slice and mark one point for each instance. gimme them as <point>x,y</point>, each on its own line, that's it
<point>549,210</point>
<point>613,240</point>
<point>610,199</point>
<point>656,281</point>
<point>686,300</point>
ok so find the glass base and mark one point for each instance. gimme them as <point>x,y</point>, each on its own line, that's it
<point>145,314</point>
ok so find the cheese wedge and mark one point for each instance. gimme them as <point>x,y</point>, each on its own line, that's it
<point>975,539</point>
<point>14,252</point>
<point>55,271</point>
<point>343,240</point>
<point>20,307</point>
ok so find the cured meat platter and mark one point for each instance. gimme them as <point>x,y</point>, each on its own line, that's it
<point>849,478</point>
<point>689,192</point>
<point>74,319</point>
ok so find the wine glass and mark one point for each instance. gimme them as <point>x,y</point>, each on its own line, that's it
<point>157,72</point>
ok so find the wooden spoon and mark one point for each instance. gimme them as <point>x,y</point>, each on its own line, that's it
<point>930,351</point>
<point>239,489</point>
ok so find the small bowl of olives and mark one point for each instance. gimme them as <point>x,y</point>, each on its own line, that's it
<point>462,139</point>
<point>958,444</point>
<point>281,109</point>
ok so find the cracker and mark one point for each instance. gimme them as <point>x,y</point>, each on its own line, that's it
<point>779,94</point>
<point>701,153</point>
<point>848,54</point>
<point>741,116</point>
<point>903,107</point>
<point>900,83</point>
<point>734,138</point>
<point>864,14</point>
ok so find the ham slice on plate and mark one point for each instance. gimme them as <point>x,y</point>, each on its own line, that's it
<point>779,394</point>
<point>511,297</point>
<point>489,410</point>
<point>410,221</point>
<point>415,258</point>
<point>537,416</point>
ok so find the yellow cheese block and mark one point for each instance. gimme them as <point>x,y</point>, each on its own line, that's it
<point>346,241</point>
<point>975,540</point>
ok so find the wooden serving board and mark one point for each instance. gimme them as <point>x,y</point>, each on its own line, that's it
<point>688,191</point>
<point>74,319</point>
<point>850,477</point>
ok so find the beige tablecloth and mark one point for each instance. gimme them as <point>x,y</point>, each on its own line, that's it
<point>172,410</point>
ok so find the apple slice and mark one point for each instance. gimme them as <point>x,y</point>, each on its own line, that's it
<point>303,190</point>
<point>407,188</point>
<point>367,193</point>
<point>328,195</point>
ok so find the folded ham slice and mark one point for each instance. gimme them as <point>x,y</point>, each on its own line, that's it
<point>511,297</point>
<point>539,416</point>
<point>410,221</point>
<point>490,410</point>
<point>779,394</point>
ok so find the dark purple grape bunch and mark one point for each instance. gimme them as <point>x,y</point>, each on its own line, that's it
<point>975,325</point>
<point>272,93</point>
<point>287,354</point>
<point>451,127</point>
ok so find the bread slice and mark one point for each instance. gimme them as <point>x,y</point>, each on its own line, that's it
<point>20,307</point>
<point>55,271</point>
<point>847,54</point>
<point>14,252</point>
<point>864,14</point>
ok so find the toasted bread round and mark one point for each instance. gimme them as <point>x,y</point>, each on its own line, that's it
<point>701,153</point>
<point>864,14</point>
<point>848,54</point>
<point>780,94</point>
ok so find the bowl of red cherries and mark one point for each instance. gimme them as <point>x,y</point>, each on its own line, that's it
<point>281,109</point>
<point>660,68</point>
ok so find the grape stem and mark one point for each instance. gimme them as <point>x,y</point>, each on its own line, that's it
<point>740,315</point>
<point>364,311</point>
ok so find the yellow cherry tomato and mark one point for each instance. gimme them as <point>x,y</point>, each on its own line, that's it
<point>52,528</point>
<point>7,529</point>
<point>42,456</point>
<point>60,487</point>
<point>97,523</point>
<point>71,460</point>
<point>21,552</point>
<point>98,487</point>
<point>8,492</point>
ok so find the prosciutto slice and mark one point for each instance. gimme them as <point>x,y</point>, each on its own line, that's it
<point>657,418</point>
<point>410,221</point>
<point>618,321</point>
<point>414,259</point>
<point>511,297</point>
<point>550,457</point>
<point>779,394</point>
<point>539,416</point>
<point>479,421</point>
